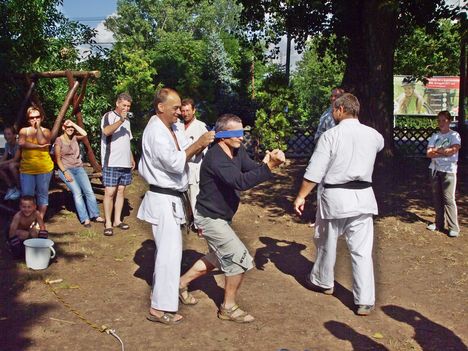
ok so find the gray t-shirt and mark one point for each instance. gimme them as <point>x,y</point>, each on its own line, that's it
<point>438,140</point>
<point>69,153</point>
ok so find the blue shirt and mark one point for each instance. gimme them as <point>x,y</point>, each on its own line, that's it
<point>325,123</point>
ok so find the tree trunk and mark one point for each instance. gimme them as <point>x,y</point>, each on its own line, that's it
<point>369,66</point>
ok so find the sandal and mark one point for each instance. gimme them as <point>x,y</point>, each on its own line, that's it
<point>166,318</point>
<point>108,232</point>
<point>189,300</point>
<point>99,220</point>
<point>123,226</point>
<point>229,314</point>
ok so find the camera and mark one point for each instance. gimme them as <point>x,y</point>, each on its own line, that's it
<point>129,115</point>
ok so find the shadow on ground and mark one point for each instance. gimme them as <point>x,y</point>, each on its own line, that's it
<point>287,257</point>
<point>429,335</point>
<point>359,341</point>
<point>17,318</point>
<point>144,258</point>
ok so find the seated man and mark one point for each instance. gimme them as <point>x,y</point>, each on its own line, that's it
<point>9,164</point>
<point>26,223</point>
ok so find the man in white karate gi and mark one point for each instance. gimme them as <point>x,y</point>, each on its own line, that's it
<point>194,129</point>
<point>165,153</point>
<point>342,165</point>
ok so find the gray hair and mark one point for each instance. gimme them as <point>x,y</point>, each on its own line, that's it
<point>124,96</point>
<point>349,102</point>
<point>223,122</point>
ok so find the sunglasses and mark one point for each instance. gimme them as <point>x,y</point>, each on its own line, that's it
<point>34,117</point>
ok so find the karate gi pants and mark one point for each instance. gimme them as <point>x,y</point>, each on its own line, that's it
<point>193,191</point>
<point>359,234</point>
<point>168,256</point>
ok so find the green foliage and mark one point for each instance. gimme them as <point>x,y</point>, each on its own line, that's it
<point>221,72</point>
<point>424,54</point>
<point>135,77</point>
<point>317,74</point>
<point>182,44</point>
<point>415,122</point>
<point>275,112</point>
<point>179,60</point>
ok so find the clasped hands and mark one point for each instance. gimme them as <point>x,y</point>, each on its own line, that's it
<point>274,158</point>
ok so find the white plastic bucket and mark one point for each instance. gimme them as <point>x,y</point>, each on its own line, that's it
<point>38,253</point>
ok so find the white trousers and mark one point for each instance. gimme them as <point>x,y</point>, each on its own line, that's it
<point>168,256</point>
<point>193,191</point>
<point>359,234</point>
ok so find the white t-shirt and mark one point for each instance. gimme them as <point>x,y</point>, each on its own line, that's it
<point>195,130</point>
<point>115,148</point>
<point>345,153</point>
<point>438,140</point>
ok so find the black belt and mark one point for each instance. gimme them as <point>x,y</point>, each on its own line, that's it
<point>354,184</point>
<point>165,191</point>
<point>185,201</point>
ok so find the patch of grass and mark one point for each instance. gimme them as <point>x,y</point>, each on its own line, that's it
<point>87,234</point>
<point>67,214</point>
<point>87,251</point>
<point>66,285</point>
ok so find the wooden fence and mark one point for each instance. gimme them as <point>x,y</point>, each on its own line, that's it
<point>408,141</point>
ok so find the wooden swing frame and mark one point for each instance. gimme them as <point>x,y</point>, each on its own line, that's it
<point>73,98</point>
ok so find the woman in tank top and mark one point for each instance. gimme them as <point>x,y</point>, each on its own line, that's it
<point>36,165</point>
<point>71,171</point>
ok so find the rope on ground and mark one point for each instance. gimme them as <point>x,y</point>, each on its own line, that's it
<point>102,328</point>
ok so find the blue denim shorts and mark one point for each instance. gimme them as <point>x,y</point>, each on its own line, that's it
<point>114,176</point>
<point>36,185</point>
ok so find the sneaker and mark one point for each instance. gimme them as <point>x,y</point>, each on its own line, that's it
<point>8,193</point>
<point>316,288</point>
<point>453,234</point>
<point>16,194</point>
<point>364,310</point>
<point>432,227</point>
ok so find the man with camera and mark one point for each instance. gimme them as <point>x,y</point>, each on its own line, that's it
<point>117,160</point>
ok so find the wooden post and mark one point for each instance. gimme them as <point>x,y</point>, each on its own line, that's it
<point>63,111</point>
<point>64,74</point>
<point>21,111</point>
<point>77,100</point>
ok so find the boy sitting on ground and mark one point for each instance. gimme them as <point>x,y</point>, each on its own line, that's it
<point>26,223</point>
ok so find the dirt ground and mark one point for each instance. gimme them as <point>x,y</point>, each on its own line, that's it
<point>421,280</point>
